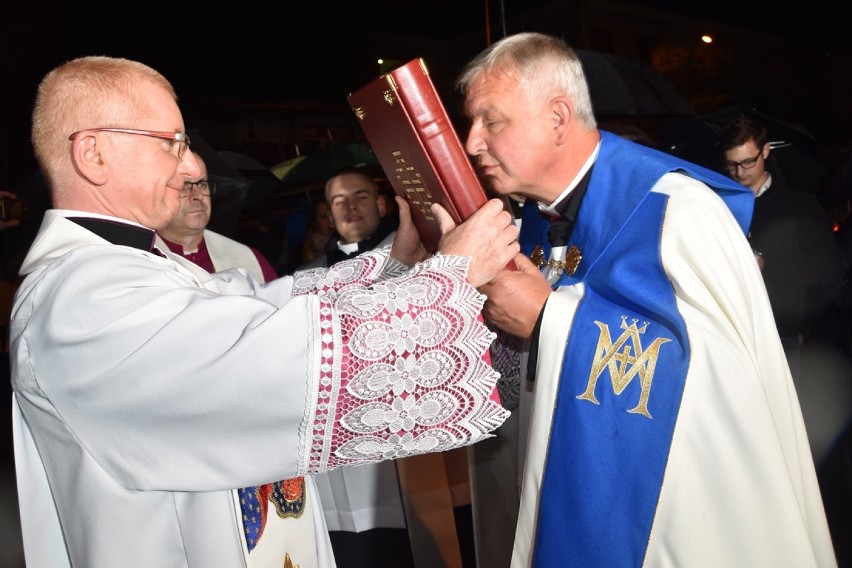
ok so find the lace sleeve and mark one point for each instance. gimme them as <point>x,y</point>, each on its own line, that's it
<point>366,268</point>
<point>403,363</point>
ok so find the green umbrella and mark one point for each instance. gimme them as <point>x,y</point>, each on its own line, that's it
<point>319,166</point>
<point>281,169</point>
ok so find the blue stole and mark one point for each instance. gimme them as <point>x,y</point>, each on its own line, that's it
<point>625,362</point>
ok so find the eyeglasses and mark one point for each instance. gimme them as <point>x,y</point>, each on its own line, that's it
<point>746,164</point>
<point>205,187</point>
<point>179,140</point>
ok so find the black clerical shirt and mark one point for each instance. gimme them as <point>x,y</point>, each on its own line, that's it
<point>333,254</point>
<point>559,234</point>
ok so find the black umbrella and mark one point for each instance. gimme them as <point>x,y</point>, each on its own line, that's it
<point>261,181</point>
<point>231,187</point>
<point>796,154</point>
<point>624,86</point>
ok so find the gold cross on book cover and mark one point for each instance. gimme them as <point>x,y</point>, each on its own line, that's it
<point>409,129</point>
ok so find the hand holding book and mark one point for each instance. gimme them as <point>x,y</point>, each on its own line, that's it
<point>489,236</point>
<point>418,148</point>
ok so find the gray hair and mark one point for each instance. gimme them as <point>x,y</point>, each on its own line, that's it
<point>543,65</point>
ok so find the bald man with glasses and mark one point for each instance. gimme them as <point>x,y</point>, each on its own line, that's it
<point>164,415</point>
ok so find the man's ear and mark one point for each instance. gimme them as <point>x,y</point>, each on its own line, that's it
<point>86,154</point>
<point>382,205</point>
<point>562,113</point>
<point>766,150</point>
<point>331,221</point>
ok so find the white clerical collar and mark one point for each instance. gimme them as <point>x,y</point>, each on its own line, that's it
<point>765,185</point>
<point>551,209</point>
<point>347,248</point>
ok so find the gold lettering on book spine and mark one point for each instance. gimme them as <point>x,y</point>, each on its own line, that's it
<point>412,182</point>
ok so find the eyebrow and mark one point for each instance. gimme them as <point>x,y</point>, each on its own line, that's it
<point>358,191</point>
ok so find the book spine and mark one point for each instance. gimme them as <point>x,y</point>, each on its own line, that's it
<point>429,116</point>
<point>401,153</point>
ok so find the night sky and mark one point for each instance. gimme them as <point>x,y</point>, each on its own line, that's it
<point>272,51</point>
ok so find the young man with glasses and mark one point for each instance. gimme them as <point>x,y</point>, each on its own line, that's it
<point>188,236</point>
<point>157,407</point>
<point>790,231</point>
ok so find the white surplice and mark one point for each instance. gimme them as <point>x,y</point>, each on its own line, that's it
<point>146,390</point>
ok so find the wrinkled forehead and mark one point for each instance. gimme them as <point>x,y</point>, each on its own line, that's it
<point>490,89</point>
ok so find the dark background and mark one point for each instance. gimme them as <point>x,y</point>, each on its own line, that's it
<point>249,60</point>
<point>314,51</point>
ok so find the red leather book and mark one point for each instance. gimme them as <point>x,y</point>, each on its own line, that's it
<point>408,128</point>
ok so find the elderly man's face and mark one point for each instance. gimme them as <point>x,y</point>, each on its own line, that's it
<point>511,136</point>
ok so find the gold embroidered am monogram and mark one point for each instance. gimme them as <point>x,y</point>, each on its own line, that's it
<point>624,365</point>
